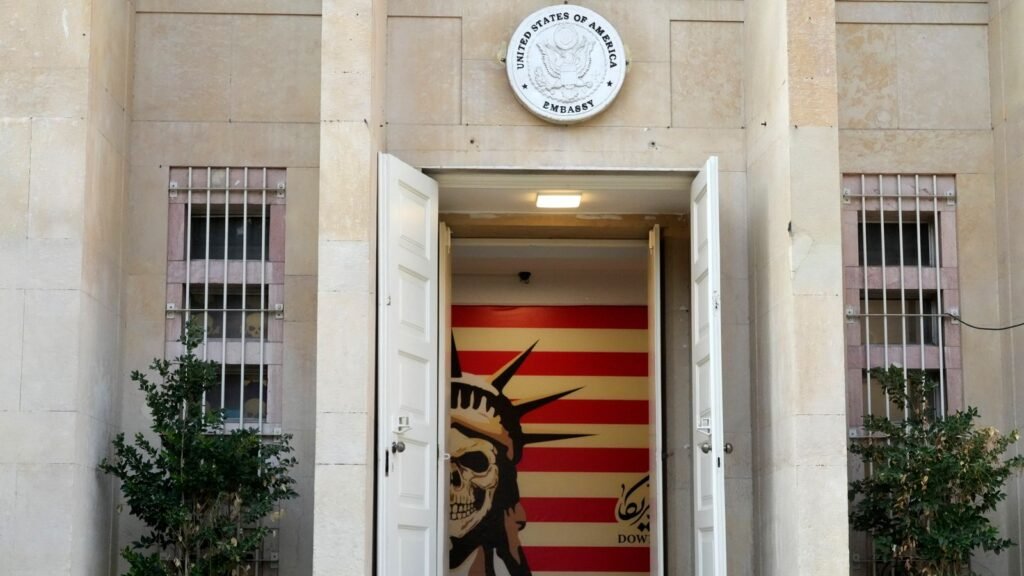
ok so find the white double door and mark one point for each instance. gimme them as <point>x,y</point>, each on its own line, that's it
<point>411,426</point>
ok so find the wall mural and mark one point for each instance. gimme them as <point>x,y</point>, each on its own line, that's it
<point>549,441</point>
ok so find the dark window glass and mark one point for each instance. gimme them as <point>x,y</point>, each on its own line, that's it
<point>249,406</point>
<point>238,229</point>
<point>895,329</point>
<point>912,236</point>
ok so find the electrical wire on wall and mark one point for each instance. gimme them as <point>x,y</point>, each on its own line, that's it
<point>989,328</point>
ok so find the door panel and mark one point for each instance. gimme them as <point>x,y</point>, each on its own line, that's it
<point>708,443</point>
<point>407,371</point>
<point>656,443</point>
<point>444,335</point>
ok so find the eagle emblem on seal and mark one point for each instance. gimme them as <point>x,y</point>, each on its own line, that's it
<point>569,71</point>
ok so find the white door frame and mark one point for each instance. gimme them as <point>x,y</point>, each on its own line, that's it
<point>655,306</point>
<point>443,303</point>
<point>444,352</point>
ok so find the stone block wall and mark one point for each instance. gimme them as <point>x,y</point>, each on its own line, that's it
<point>914,97</point>
<point>227,84</point>
<point>796,281</point>
<point>98,98</point>
<point>1006,61</point>
<point>444,102</point>
<point>63,129</point>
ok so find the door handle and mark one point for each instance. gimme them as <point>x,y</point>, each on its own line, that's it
<point>705,447</point>
<point>397,447</point>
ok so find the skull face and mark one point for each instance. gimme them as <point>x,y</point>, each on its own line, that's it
<point>473,480</point>
<point>211,322</point>
<point>252,325</point>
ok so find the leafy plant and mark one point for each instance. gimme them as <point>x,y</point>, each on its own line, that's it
<point>201,491</point>
<point>930,481</point>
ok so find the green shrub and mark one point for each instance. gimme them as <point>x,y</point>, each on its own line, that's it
<point>201,491</point>
<point>929,482</point>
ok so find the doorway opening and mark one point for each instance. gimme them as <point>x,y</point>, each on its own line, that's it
<point>550,418</point>
<point>551,354</point>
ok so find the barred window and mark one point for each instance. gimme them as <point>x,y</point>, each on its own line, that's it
<point>225,271</point>
<point>900,277</point>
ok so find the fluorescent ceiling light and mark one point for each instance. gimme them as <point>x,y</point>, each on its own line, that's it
<point>559,200</point>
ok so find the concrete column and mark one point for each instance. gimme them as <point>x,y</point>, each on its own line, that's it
<point>63,117</point>
<point>351,134</point>
<point>796,286</point>
<point>1006,61</point>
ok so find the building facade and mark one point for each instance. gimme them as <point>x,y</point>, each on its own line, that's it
<point>220,159</point>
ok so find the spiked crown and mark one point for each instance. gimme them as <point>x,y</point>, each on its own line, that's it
<point>479,405</point>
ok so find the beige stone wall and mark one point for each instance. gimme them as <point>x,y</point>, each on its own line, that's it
<point>351,135</point>
<point>63,94</point>
<point>99,97</point>
<point>920,89</point>
<point>450,106</point>
<point>793,175</point>
<point>227,84</point>
<point>1006,54</point>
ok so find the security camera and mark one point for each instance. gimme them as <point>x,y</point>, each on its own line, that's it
<point>524,277</point>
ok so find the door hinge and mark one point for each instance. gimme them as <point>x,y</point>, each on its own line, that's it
<point>387,300</point>
<point>715,303</point>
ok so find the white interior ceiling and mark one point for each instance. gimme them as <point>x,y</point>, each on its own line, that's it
<point>515,191</point>
<point>501,257</point>
<point>562,272</point>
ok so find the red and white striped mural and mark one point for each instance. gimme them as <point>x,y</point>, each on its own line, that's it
<point>583,469</point>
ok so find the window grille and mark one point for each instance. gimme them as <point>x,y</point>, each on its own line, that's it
<point>225,271</point>
<point>900,280</point>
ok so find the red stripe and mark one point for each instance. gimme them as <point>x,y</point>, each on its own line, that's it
<point>558,363</point>
<point>612,317</point>
<point>590,412</point>
<point>569,509</point>
<point>633,460</point>
<point>588,559</point>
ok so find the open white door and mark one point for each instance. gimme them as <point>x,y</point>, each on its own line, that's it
<point>407,371</point>
<point>444,376</point>
<point>656,468</point>
<point>708,444</point>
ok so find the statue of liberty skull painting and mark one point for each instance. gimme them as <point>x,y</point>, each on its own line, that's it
<point>486,442</point>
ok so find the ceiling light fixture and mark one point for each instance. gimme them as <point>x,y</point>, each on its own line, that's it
<point>559,200</point>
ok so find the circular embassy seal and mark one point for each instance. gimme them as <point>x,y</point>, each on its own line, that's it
<point>566,63</point>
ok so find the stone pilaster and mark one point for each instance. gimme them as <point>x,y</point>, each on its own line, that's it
<point>796,286</point>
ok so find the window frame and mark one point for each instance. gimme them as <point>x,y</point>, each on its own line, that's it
<point>228,192</point>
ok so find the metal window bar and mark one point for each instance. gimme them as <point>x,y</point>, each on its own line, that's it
<point>224,298</point>
<point>920,262</point>
<point>188,247</point>
<point>903,294</point>
<point>864,270</point>
<point>245,266</point>
<point>885,285</point>
<point>938,291</point>
<point>263,287</point>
